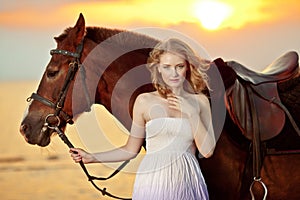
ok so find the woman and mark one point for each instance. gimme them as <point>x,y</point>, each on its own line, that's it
<point>175,120</point>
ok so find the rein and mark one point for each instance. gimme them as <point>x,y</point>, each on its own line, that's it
<point>58,106</point>
<point>92,178</point>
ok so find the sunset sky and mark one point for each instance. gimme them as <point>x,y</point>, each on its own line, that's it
<point>252,32</point>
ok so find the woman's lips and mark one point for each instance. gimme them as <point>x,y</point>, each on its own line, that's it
<point>174,80</point>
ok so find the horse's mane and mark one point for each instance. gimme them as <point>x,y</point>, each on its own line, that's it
<point>123,39</point>
<point>99,34</point>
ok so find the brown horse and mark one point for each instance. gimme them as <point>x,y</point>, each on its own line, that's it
<point>104,66</point>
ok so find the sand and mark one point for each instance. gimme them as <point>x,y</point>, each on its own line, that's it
<point>31,172</point>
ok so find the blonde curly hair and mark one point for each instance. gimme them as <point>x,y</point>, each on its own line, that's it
<point>196,78</point>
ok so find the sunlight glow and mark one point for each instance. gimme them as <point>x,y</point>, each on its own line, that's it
<point>212,13</point>
<point>135,11</point>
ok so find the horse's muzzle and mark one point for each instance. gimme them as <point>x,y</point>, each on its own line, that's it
<point>34,137</point>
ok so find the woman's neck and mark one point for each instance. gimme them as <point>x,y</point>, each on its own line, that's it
<point>178,91</point>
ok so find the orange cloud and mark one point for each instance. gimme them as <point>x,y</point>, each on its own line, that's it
<point>151,13</point>
<point>123,12</point>
<point>114,13</point>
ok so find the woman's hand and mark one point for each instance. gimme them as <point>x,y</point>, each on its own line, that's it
<point>181,105</point>
<point>80,155</point>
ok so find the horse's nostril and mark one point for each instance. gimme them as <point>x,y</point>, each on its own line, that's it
<point>23,129</point>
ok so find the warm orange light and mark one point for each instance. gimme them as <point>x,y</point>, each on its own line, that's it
<point>212,13</point>
<point>155,12</point>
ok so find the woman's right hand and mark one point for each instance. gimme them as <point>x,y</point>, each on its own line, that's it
<point>81,155</point>
<point>182,105</point>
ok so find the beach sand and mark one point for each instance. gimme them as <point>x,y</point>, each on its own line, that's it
<point>30,172</point>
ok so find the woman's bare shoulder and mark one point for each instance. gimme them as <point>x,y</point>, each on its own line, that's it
<point>146,97</point>
<point>202,99</point>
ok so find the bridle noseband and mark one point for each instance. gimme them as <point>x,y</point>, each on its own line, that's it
<point>74,66</point>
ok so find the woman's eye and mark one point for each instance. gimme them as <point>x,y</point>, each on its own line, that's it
<point>52,74</point>
<point>165,66</point>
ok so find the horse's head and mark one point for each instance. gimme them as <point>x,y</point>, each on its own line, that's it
<point>90,65</point>
<point>51,106</point>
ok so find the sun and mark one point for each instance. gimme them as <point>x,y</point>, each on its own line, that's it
<point>211,14</point>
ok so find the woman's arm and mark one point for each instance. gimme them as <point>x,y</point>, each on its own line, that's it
<point>203,128</point>
<point>126,152</point>
<point>199,114</point>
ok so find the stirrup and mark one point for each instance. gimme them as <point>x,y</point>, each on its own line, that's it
<point>264,186</point>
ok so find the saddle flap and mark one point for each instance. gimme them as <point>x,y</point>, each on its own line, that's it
<point>271,118</point>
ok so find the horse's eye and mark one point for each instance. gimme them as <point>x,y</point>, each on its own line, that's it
<point>51,74</point>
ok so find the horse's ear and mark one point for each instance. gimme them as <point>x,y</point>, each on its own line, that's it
<point>80,28</point>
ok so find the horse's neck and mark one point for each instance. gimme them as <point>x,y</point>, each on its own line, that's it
<point>116,70</point>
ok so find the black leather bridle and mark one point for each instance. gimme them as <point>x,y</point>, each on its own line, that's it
<point>74,66</point>
<point>58,106</point>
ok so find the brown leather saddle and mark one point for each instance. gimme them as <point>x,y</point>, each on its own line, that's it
<point>253,101</point>
<point>254,105</point>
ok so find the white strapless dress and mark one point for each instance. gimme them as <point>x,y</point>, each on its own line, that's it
<point>169,170</point>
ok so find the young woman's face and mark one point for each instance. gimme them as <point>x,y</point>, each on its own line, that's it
<point>172,69</point>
